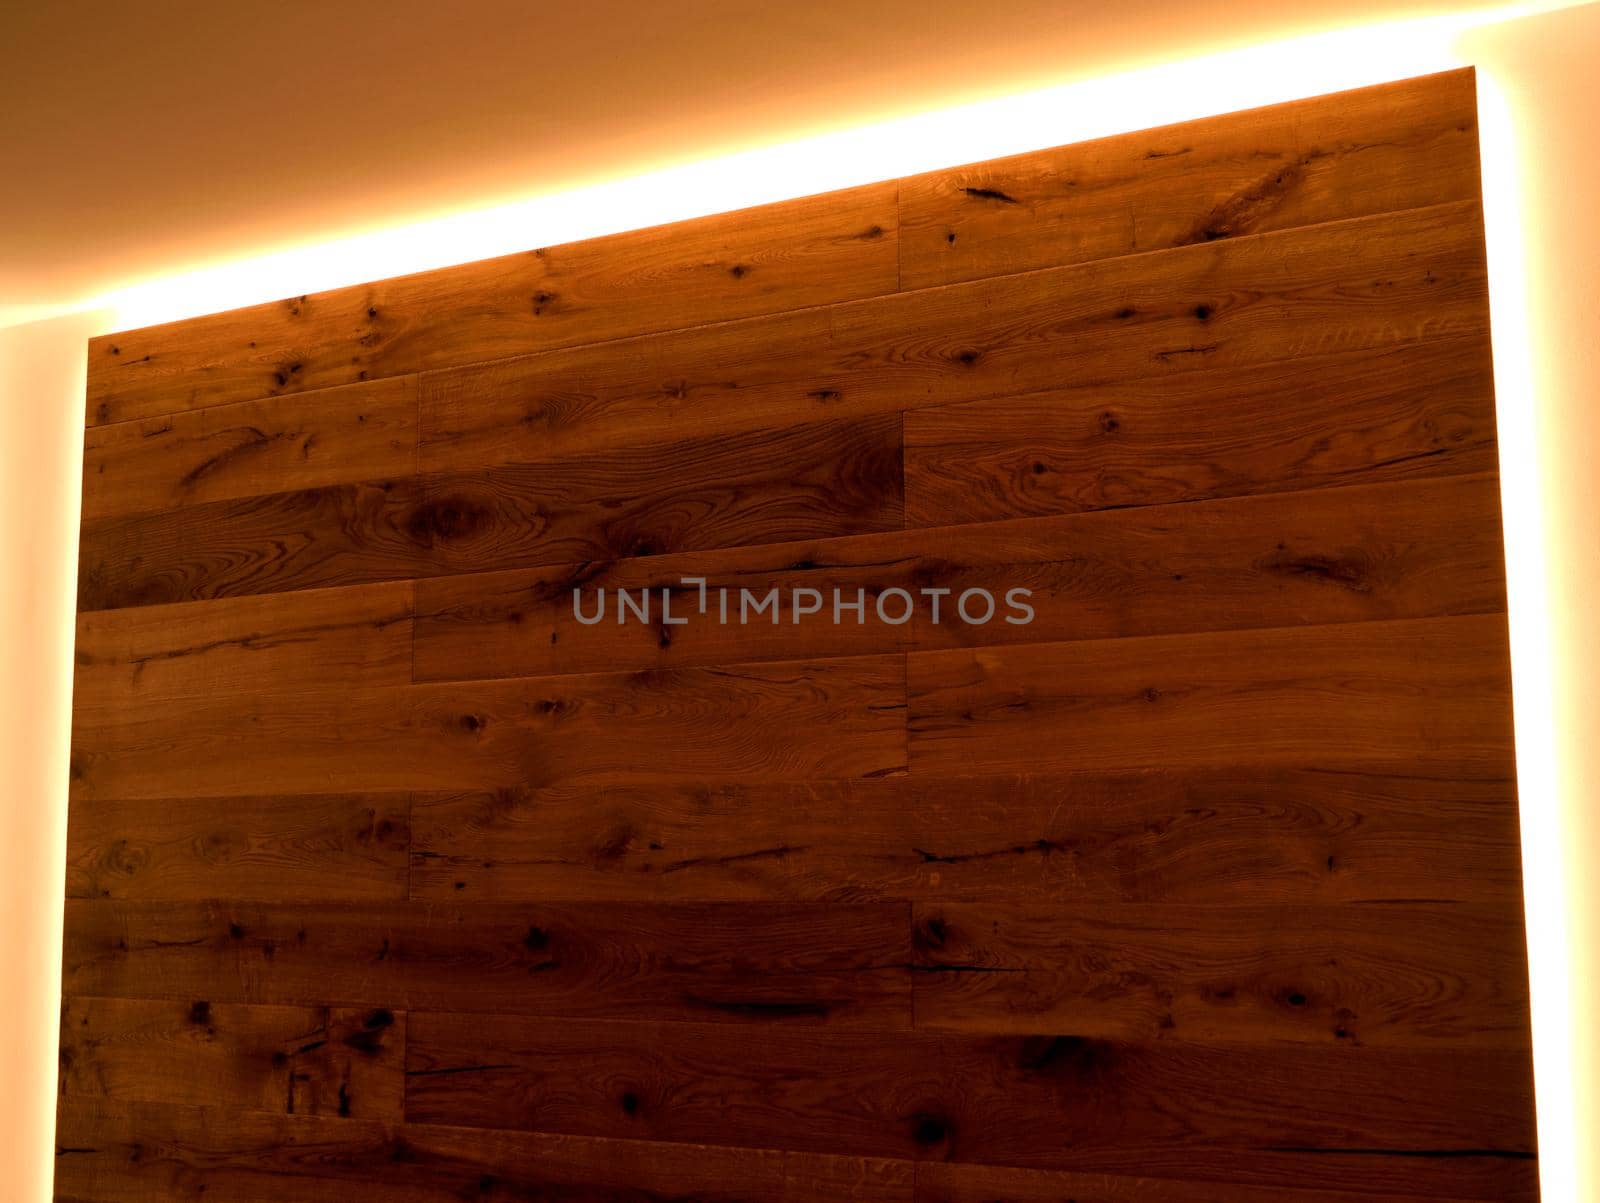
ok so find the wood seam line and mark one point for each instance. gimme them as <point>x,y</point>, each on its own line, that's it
<point>411,845</point>
<point>899,238</point>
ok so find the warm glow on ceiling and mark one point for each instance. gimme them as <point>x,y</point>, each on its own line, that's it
<point>1198,85</point>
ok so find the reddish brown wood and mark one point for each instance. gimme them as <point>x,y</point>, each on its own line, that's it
<point>845,965</point>
<point>391,879</point>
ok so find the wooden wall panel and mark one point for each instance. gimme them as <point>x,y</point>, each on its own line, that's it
<point>787,256</point>
<point>1239,835</point>
<point>393,876</point>
<point>1391,147</point>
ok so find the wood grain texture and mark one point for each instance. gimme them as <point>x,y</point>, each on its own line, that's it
<point>394,876</point>
<point>1050,1101</point>
<point>1406,975</point>
<point>826,479</point>
<point>139,1153</point>
<point>1416,410</point>
<point>1341,287</point>
<point>798,720</point>
<point>774,486</point>
<point>311,539</point>
<point>1406,692</point>
<point>789,255</point>
<point>296,641</point>
<point>304,441</point>
<point>789,963</point>
<point>285,1060</point>
<point>1236,835</point>
<point>1396,146</point>
<point>951,1183</point>
<point>317,848</point>
<point>1365,553</point>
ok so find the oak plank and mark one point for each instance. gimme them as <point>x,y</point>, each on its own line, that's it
<point>303,441</point>
<point>145,1153</point>
<point>1339,287</point>
<point>827,479</point>
<point>789,721</point>
<point>1397,975</point>
<point>946,1182</point>
<point>289,1060</point>
<point>834,964</point>
<point>1045,1101</point>
<point>1413,691</point>
<point>772,486</point>
<point>316,848</point>
<point>351,534</point>
<point>1363,553</point>
<point>1400,145</point>
<point>1394,413</point>
<point>359,635</point>
<point>1237,834</point>
<point>812,251</point>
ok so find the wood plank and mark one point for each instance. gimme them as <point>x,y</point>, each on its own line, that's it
<point>305,441</point>
<point>827,479</point>
<point>1364,553</point>
<point>950,1183</point>
<point>1396,146</point>
<point>1395,413</point>
<point>812,251</point>
<point>1340,287</point>
<point>139,1153</point>
<point>1414,691</point>
<point>781,963</point>
<point>311,539</point>
<point>1245,835</point>
<point>790,721</point>
<point>1047,1101</point>
<point>359,636</point>
<point>1400,975</point>
<point>289,1060</point>
<point>772,486</point>
<point>305,849</point>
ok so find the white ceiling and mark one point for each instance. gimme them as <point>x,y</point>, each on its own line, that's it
<point>137,140</point>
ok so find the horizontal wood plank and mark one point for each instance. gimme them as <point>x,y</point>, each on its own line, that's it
<point>812,251</point>
<point>1244,835</point>
<point>1396,413</point>
<point>1044,1101</point>
<point>782,963</point>
<point>790,721</point>
<point>312,539</point>
<point>827,479</point>
<point>1409,691</point>
<point>1396,146</point>
<point>305,441</point>
<point>360,636</point>
<point>1403,975</point>
<point>951,1183</point>
<point>1341,287</point>
<point>288,1060</point>
<point>139,1153</point>
<point>304,849</point>
<point>1365,553</point>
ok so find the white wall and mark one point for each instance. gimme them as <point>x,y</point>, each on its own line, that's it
<point>1539,74</point>
<point>42,374</point>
